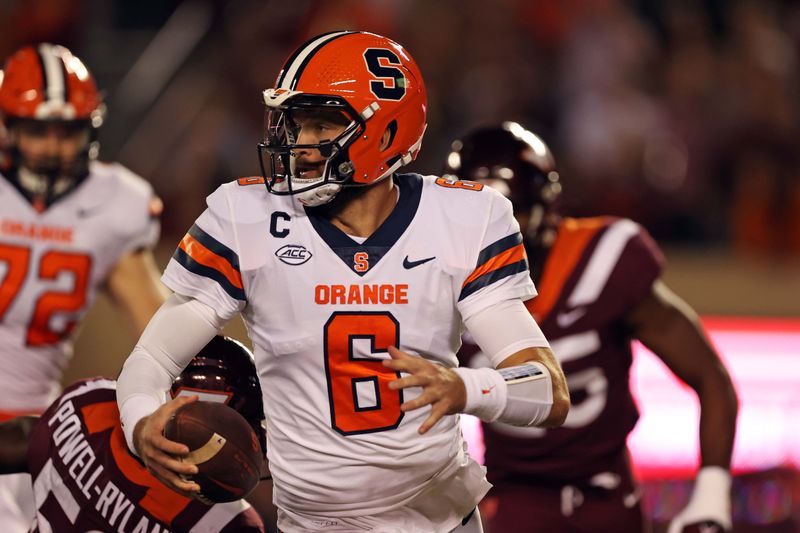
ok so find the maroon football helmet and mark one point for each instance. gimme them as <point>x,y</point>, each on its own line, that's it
<point>224,371</point>
<point>519,165</point>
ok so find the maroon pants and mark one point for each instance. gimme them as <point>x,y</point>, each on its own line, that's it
<point>607,502</point>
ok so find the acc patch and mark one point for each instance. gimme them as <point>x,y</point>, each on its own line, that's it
<point>293,254</point>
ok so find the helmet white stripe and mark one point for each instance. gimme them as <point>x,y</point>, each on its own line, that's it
<point>54,82</point>
<point>287,79</point>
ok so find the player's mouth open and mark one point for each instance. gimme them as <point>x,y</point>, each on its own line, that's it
<point>309,171</point>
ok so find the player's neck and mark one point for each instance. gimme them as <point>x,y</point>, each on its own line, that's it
<point>365,213</point>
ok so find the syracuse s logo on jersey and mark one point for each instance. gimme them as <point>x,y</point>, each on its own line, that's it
<point>293,254</point>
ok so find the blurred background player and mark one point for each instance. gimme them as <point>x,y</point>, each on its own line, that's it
<point>69,226</point>
<point>330,258</point>
<point>600,287</point>
<point>84,477</point>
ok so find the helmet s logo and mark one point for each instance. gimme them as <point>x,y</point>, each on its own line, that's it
<point>293,254</point>
<point>382,63</point>
<point>361,261</point>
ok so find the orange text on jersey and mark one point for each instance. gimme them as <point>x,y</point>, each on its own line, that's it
<point>41,232</point>
<point>361,294</point>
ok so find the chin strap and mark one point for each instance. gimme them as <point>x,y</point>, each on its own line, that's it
<point>710,504</point>
<point>319,195</point>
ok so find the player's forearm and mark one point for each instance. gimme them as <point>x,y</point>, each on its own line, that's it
<point>558,382</point>
<point>531,385</point>
<point>718,410</point>
<point>178,330</point>
<point>672,330</point>
<point>141,388</point>
<point>134,287</point>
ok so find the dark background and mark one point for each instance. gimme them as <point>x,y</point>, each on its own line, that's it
<point>682,115</point>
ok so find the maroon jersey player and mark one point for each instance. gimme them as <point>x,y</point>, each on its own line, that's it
<point>600,287</point>
<point>84,477</point>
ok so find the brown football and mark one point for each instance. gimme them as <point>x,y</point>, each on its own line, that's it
<point>222,445</point>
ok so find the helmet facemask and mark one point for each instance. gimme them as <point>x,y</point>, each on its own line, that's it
<point>46,91</point>
<point>290,168</point>
<point>44,175</point>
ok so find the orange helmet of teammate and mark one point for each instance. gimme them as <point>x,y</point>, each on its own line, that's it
<point>369,80</point>
<point>47,82</point>
<point>48,93</point>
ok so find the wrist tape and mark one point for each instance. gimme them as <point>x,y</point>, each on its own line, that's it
<point>520,395</point>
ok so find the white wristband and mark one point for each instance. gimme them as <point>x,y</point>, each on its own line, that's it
<point>710,501</point>
<point>486,392</point>
<point>133,409</point>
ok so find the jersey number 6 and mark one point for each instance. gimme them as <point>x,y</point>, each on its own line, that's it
<point>360,398</point>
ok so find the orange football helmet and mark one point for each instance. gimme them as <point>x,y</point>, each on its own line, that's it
<point>369,79</point>
<point>43,88</point>
<point>49,83</point>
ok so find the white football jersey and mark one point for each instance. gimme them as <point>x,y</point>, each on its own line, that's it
<point>322,310</point>
<point>51,265</point>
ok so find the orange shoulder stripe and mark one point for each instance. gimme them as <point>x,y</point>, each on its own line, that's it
<point>206,257</point>
<point>512,255</point>
<point>573,237</point>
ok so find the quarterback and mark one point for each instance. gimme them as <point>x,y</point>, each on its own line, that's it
<point>355,283</point>
<point>69,227</point>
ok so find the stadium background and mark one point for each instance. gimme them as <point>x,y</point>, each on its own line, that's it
<point>682,115</point>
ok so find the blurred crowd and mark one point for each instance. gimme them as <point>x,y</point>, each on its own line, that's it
<point>680,114</point>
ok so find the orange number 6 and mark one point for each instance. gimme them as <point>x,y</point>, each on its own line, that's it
<point>348,375</point>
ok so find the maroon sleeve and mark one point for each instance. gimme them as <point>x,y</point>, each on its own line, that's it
<point>639,266</point>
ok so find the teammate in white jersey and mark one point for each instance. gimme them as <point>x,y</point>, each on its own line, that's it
<point>355,283</point>
<point>69,226</point>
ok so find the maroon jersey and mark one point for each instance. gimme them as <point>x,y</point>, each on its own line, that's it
<point>85,479</point>
<point>597,271</point>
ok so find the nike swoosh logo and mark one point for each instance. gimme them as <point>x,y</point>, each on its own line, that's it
<point>566,319</point>
<point>408,265</point>
<point>88,212</point>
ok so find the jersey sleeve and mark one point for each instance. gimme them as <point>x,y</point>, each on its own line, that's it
<point>497,266</point>
<point>205,266</point>
<point>139,214</point>
<point>640,264</point>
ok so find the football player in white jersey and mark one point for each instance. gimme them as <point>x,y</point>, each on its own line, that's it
<point>69,226</point>
<point>355,283</point>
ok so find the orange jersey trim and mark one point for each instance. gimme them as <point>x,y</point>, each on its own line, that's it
<point>512,255</point>
<point>206,257</point>
<point>161,502</point>
<point>573,237</point>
